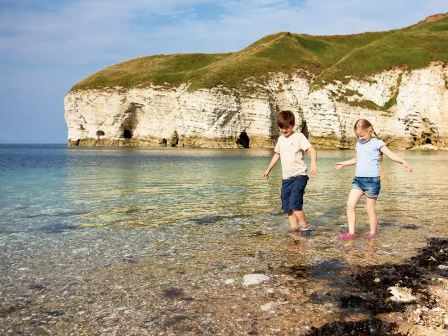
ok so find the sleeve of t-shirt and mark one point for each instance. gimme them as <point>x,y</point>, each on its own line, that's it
<point>380,143</point>
<point>277,148</point>
<point>304,144</point>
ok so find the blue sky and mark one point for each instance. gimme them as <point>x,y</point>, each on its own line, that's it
<point>48,46</point>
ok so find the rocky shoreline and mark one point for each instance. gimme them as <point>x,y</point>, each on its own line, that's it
<point>410,298</point>
<point>319,143</point>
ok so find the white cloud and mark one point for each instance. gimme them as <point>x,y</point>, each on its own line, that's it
<point>85,31</point>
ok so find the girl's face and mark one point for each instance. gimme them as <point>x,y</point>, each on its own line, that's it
<point>364,135</point>
<point>286,131</point>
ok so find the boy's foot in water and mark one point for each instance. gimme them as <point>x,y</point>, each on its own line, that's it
<point>306,232</point>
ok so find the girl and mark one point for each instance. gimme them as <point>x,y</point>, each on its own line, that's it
<point>369,152</point>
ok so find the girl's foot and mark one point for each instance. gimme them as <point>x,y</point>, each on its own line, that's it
<point>346,236</point>
<point>370,236</point>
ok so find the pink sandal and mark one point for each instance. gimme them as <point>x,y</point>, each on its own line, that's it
<point>346,236</point>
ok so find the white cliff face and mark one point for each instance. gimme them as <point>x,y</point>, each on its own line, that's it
<point>407,109</point>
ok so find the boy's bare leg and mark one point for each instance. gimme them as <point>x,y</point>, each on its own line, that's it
<point>370,207</point>
<point>353,198</point>
<point>301,219</point>
<point>292,221</point>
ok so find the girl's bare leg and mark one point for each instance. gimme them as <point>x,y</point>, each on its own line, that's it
<point>353,198</point>
<point>370,206</point>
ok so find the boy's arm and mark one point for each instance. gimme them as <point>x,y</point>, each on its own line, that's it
<point>396,158</point>
<point>274,161</point>
<point>339,165</point>
<point>313,156</point>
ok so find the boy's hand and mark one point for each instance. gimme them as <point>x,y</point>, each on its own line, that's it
<point>313,169</point>
<point>338,166</point>
<point>265,175</point>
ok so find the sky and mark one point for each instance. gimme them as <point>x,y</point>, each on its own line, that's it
<point>47,46</point>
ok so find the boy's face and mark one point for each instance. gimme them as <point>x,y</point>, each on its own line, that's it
<point>286,131</point>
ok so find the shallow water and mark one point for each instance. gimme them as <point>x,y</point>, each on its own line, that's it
<point>157,240</point>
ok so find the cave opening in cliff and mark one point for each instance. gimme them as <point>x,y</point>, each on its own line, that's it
<point>243,140</point>
<point>304,129</point>
<point>127,134</point>
<point>131,120</point>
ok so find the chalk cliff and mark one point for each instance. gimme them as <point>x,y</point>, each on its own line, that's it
<point>407,108</point>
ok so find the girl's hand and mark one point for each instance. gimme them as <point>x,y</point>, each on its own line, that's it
<point>407,166</point>
<point>338,165</point>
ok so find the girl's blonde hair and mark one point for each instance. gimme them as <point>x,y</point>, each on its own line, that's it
<point>365,125</point>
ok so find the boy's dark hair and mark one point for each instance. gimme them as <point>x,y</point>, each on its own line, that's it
<point>286,118</point>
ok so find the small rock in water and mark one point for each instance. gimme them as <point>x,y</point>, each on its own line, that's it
<point>267,306</point>
<point>229,281</point>
<point>254,279</point>
<point>401,294</point>
<point>442,267</point>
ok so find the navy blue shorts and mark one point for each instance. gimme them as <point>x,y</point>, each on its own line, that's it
<point>371,186</point>
<point>293,189</point>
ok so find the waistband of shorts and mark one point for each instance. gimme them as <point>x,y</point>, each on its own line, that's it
<point>297,177</point>
<point>367,178</point>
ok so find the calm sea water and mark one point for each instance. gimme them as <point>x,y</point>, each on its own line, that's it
<point>66,213</point>
<point>53,188</point>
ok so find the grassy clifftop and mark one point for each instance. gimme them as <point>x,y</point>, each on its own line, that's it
<point>327,57</point>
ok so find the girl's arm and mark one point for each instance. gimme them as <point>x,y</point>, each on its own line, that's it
<point>339,165</point>
<point>274,161</point>
<point>396,158</point>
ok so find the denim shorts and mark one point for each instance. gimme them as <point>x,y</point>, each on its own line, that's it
<point>293,189</point>
<point>371,186</point>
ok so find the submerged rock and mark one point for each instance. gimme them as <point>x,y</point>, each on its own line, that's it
<point>401,294</point>
<point>229,281</point>
<point>254,279</point>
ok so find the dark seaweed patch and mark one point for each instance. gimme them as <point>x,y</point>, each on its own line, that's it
<point>175,319</point>
<point>172,293</point>
<point>369,327</point>
<point>367,290</point>
<point>410,227</point>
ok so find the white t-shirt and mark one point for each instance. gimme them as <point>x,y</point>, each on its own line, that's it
<point>291,150</point>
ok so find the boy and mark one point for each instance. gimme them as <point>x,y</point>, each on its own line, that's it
<point>290,148</point>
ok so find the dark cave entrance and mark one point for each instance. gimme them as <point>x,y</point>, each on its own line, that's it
<point>130,122</point>
<point>243,140</point>
<point>304,129</point>
<point>127,134</point>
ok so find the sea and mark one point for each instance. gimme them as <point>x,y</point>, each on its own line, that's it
<point>103,223</point>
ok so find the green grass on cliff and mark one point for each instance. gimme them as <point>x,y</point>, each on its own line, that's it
<point>328,57</point>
